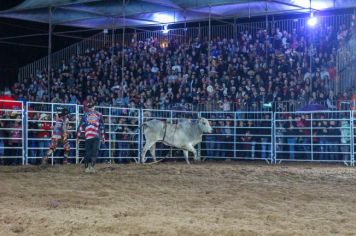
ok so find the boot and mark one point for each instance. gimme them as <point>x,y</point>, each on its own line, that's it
<point>87,170</point>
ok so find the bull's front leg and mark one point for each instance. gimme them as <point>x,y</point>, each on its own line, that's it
<point>191,148</point>
<point>153,152</point>
<point>186,156</point>
<point>145,149</point>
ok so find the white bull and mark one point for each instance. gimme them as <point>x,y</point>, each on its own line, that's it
<point>183,135</point>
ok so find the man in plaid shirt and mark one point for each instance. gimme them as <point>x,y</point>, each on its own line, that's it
<point>92,126</point>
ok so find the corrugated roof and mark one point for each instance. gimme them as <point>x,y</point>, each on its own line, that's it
<point>109,13</point>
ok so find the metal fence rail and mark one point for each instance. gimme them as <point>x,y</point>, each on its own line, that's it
<point>122,129</point>
<point>12,130</point>
<point>40,119</point>
<point>319,136</point>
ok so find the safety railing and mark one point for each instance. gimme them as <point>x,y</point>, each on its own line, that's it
<point>323,136</point>
<point>238,135</point>
<point>40,120</point>
<point>122,129</point>
<point>12,130</point>
<point>308,136</point>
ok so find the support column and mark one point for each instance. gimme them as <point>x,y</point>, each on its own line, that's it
<point>235,29</point>
<point>49,61</point>
<point>266,43</point>
<point>123,41</point>
<point>113,33</point>
<point>209,43</point>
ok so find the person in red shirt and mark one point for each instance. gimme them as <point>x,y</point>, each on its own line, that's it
<point>44,134</point>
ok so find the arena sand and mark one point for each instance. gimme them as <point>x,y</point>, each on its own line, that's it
<point>176,199</point>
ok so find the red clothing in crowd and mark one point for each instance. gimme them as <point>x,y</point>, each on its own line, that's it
<point>45,130</point>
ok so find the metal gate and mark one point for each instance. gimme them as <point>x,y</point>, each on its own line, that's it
<point>41,117</point>
<point>122,130</point>
<point>12,145</point>
<point>322,136</point>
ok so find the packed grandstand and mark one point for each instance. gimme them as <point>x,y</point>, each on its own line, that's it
<point>251,72</point>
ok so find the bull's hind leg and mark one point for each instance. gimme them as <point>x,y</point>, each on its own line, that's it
<point>147,147</point>
<point>186,156</point>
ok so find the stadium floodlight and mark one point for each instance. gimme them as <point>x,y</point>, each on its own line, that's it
<point>165,29</point>
<point>312,20</point>
<point>163,18</point>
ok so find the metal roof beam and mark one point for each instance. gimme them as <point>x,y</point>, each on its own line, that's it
<point>293,5</point>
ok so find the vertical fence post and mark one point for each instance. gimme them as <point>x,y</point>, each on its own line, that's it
<point>352,139</point>
<point>270,144</point>
<point>199,145</point>
<point>77,125</point>
<point>109,136</point>
<point>352,158</point>
<point>52,162</point>
<point>171,149</point>
<point>311,137</point>
<point>140,135</point>
<point>274,142</point>
<point>24,133</point>
<point>235,126</point>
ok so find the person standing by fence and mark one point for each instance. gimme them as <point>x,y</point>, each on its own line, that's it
<point>93,126</point>
<point>345,140</point>
<point>60,133</point>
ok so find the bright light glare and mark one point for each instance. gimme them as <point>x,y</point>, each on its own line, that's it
<point>165,29</point>
<point>163,18</point>
<point>312,21</point>
<point>318,5</point>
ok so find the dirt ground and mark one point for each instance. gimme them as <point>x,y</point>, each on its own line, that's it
<point>176,199</point>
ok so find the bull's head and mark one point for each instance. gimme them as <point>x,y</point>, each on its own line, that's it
<point>204,125</point>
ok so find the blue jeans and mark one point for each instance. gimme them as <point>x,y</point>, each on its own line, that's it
<point>32,151</point>
<point>102,150</point>
<point>265,148</point>
<point>121,152</point>
<point>306,147</point>
<point>291,144</point>
<point>2,150</point>
<point>333,149</point>
<point>210,146</point>
<point>323,149</point>
<point>43,146</point>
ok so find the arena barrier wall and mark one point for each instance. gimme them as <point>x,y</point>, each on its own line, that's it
<point>320,136</point>
<point>122,128</point>
<point>40,117</point>
<point>323,136</point>
<point>12,131</point>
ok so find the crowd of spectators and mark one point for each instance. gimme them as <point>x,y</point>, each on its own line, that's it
<point>249,72</point>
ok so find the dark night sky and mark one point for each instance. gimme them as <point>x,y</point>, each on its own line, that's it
<point>14,56</point>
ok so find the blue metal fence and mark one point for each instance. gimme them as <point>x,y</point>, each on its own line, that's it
<point>273,137</point>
